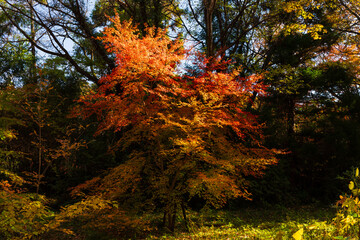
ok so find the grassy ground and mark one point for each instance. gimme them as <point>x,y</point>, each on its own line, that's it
<point>278,223</point>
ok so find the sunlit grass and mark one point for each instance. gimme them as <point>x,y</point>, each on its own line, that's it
<point>279,223</point>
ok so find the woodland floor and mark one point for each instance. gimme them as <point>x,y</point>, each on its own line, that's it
<point>275,223</point>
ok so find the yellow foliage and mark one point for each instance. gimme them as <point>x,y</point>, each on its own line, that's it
<point>299,234</point>
<point>182,134</point>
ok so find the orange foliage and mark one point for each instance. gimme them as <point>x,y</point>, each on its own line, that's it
<point>345,52</point>
<point>188,135</point>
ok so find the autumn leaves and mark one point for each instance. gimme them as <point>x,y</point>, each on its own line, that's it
<point>187,135</point>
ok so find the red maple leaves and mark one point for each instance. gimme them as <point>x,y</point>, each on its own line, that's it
<point>189,134</point>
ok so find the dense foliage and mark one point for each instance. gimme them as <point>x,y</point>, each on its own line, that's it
<point>118,117</point>
<point>186,136</point>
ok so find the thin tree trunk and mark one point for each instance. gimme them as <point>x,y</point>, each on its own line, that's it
<point>33,50</point>
<point>172,219</point>
<point>290,116</point>
<point>184,215</point>
<point>157,15</point>
<point>169,218</point>
<point>209,7</point>
<point>40,140</point>
<point>143,16</point>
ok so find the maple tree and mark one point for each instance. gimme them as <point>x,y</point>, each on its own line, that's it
<point>187,135</point>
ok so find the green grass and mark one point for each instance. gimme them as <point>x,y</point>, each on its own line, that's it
<point>279,223</point>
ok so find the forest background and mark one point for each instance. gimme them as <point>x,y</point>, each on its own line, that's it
<point>171,107</point>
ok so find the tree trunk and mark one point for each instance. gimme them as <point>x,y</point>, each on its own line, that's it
<point>290,116</point>
<point>209,6</point>
<point>184,215</point>
<point>33,50</point>
<point>169,218</point>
